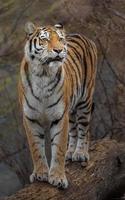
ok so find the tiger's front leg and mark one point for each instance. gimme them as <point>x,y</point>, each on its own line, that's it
<point>35,136</point>
<point>59,137</point>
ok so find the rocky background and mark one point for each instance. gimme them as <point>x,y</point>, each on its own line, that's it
<point>101,20</point>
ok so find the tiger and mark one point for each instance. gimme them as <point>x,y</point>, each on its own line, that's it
<point>56,86</point>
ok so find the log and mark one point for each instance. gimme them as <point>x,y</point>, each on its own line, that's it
<point>104,173</point>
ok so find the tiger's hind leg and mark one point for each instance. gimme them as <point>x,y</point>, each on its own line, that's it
<point>83,119</point>
<point>35,136</point>
<point>72,137</point>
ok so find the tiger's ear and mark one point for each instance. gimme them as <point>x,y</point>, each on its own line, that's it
<point>59,26</point>
<point>29,28</point>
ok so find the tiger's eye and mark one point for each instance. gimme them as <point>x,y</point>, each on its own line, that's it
<point>43,41</point>
<point>62,39</point>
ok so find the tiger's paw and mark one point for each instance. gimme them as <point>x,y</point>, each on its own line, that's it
<point>80,156</point>
<point>58,181</point>
<point>69,155</point>
<point>37,176</point>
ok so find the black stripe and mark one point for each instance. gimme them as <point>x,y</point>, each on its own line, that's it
<point>91,46</point>
<point>33,121</point>
<point>80,103</point>
<point>76,77</point>
<point>84,123</point>
<point>37,34</point>
<point>81,137</point>
<point>77,42</point>
<point>40,136</point>
<point>85,75</point>
<point>72,35</point>
<point>55,102</point>
<point>91,58</point>
<point>69,73</point>
<point>88,112</point>
<point>35,40</point>
<point>36,52</point>
<point>73,128</point>
<point>73,100</point>
<point>93,107</point>
<point>69,76</point>
<point>55,136</point>
<point>73,136</point>
<point>86,41</point>
<point>53,80</point>
<point>77,67</point>
<point>80,129</point>
<point>75,51</point>
<point>54,144</point>
<point>58,76</point>
<point>29,83</point>
<point>84,133</point>
<point>44,28</point>
<point>30,46</point>
<point>71,121</point>
<point>81,118</point>
<point>80,37</point>
<point>86,104</point>
<point>31,107</point>
<point>87,98</point>
<point>56,121</point>
<point>61,88</point>
<point>83,105</point>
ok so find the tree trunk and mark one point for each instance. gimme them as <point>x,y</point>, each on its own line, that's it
<point>104,173</point>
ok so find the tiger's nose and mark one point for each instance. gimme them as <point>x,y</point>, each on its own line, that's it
<point>57,50</point>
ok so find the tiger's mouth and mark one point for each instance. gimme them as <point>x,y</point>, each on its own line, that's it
<point>57,58</point>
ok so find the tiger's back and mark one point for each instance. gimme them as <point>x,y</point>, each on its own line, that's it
<point>80,67</point>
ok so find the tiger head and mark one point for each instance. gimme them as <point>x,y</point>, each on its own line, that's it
<point>46,45</point>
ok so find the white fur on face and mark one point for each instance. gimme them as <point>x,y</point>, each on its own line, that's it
<point>44,35</point>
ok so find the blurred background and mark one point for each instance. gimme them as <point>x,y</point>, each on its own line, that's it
<point>103,21</point>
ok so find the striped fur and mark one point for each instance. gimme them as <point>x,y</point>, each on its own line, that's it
<point>56,88</point>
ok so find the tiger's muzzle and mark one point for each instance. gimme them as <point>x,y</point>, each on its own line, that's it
<point>57,58</point>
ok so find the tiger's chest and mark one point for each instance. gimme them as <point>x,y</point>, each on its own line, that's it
<point>40,88</point>
<point>41,100</point>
